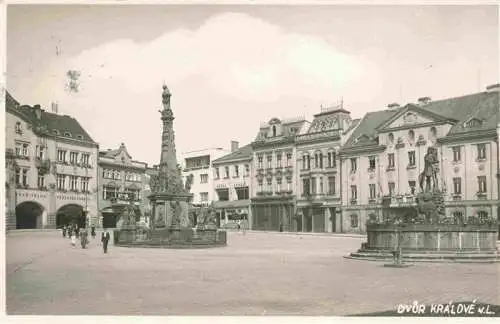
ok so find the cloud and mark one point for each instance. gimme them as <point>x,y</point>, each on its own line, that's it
<point>234,54</point>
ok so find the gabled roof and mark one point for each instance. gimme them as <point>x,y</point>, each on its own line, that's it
<point>114,153</point>
<point>243,153</point>
<point>458,110</point>
<point>48,122</point>
<point>418,110</point>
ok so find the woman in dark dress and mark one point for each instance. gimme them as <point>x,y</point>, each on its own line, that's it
<point>92,232</point>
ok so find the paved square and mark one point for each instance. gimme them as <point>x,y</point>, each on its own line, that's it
<point>256,274</point>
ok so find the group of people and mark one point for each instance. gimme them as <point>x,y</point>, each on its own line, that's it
<point>73,232</point>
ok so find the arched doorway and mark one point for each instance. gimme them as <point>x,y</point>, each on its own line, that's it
<point>29,215</point>
<point>70,214</point>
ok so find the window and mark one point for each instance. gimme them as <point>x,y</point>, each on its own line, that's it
<point>25,177</point>
<point>316,160</point>
<point>278,185</point>
<point>73,157</point>
<point>226,172</point>
<point>481,180</point>
<point>457,186</point>
<point>85,159</point>
<point>203,196</point>
<point>411,158</point>
<point>321,160</point>
<point>313,186</point>
<point>40,152</point>
<point>306,190</point>
<point>354,165</point>
<point>41,181</point>
<point>269,161</point>
<point>109,192</point>
<point>433,132</point>
<point>481,151</point>
<point>242,193</point>
<point>308,162</point>
<point>373,192</point>
<point>25,150</point>
<point>482,214</point>
<point>354,192</point>
<point>392,188</point>
<point>354,221</point>
<point>371,161</point>
<point>84,184</point>
<point>18,128</point>
<point>331,185</point>
<point>321,190</point>
<point>458,216</point>
<point>204,178</point>
<point>289,184</point>
<point>61,156</point>
<point>61,181</point>
<point>18,176</point>
<point>236,171</point>
<point>289,159</point>
<point>73,180</point>
<point>117,175</point>
<point>274,130</point>
<point>223,194</point>
<point>413,186</point>
<point>18,149</point>
<point>217,174</point>
<point>247,170</point>
<point>67,134</point>
<point>457,153</point>
<point>304,162</point>
<point>332,159</point>
<point>269,186</point>
<point>278,160</point>
<point>259,184</point>
<point>390,160</point>
<point>391,138</point>
<point>260,162</point>
<point>411,135</point>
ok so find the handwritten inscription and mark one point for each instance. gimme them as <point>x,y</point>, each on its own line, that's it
<point>449,309</point>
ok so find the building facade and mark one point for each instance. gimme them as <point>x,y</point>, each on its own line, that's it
<point>199,164</point>
<point>232,176</point>
<point>383,158</point>
<point>51,170</point>
<point>121,179</point>
<point>273,189</point>
<point>319,168</point>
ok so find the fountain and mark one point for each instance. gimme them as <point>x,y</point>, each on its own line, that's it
<point>170,226</point>
<point>426,234</point>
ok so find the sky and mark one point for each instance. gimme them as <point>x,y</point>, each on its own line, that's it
<point>230,68</point>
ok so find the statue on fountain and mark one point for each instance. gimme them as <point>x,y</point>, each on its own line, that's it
<point>429,175</point>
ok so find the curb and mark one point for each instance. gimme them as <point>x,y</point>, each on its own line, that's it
<point>312,234</point>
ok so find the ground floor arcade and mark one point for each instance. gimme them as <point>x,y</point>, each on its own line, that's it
<point>274,214</point>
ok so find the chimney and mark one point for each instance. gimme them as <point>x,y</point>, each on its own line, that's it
<point>424,101</point>
<point>38,111</point>
<point>393,105</point>
<point>54,107</point>
<point>234,146</point>
<point>493,88</point>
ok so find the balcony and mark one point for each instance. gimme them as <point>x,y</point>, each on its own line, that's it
<point>456,196</point>
<point>400,200</point>
<point>390,168</point>
<point>264,193</point>
<point>353,201</point>
<point>481,195</point>
<point>411,166</point>
<point>22,157</point>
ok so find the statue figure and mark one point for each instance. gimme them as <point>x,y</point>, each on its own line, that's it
<point>154,183</point>
<point>429,175</point>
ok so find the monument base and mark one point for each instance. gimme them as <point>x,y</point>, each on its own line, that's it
<point>173,238</point>
<point>431,243</point>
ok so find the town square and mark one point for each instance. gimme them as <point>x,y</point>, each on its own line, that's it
<point>252,160</point>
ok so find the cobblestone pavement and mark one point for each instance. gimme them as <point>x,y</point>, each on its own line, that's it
<point>257,274</point>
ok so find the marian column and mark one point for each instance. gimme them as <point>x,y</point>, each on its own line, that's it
<point>169,197</point>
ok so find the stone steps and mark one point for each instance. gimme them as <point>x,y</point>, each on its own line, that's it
<point>430,256</point>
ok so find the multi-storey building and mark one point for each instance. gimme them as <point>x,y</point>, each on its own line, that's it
<point>273,188</point>
<point>319,180</point>
<point>199,164</point>
<point>51,169</point>
<point>385,156</point>
<point>232,182</point>
<point>121,179</point>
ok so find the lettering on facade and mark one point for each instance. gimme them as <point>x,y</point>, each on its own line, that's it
<point>31,195</point>
<point>65,197</point>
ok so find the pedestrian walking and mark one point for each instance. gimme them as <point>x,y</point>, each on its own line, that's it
<point>244,226</point>
<point>105,237</point>
<point>64,231</point>
<point>77,231</point>
<point>83,239</point>
<point>92,232</point>
<point>73,239</point>
<point>70,232</point>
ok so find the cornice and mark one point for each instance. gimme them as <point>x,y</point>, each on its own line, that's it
<point>490,134</point>
<point>373,148</point>
<point>413,126</point>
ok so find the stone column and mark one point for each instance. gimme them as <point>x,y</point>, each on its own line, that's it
<point>44,219</point>
<point>328,223</point>
<point>52,211</point>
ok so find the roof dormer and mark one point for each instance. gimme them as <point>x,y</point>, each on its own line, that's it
<point>473,122</point>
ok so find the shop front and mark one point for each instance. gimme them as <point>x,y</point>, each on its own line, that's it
<point>231,213</point>
<point>274,214</point>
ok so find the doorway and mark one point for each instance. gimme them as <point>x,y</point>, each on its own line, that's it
<point>29,215</point>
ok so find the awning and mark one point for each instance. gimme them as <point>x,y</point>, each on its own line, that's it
<point>232,204</point>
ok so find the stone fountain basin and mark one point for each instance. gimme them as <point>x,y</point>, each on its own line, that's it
<point>171,238</point>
